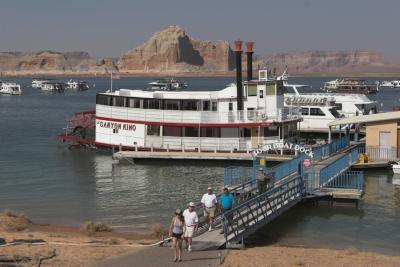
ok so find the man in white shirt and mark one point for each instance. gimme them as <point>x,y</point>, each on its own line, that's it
<point>209,203</point>
<point>191,222</point>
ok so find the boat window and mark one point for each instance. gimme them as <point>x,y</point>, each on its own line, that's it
<point>246,132</point>
<point>271,131</point>
<point>230,106</point>
<point>305,111</point>
<point>338,106</point>
<point>171,104</point>
<point>172,131</point>
<point>133,103</point>
<point>316,112</point>
<point>189,105</point>
<point>206,105</point>
<point>103,100</point>
<point>210,132</point>
<point>252,90</point>
<point>280,88</point>
<point>191,131</point>
<point>270,90</point>
<point>153,104</point>
<point>118,101</point>
<point>261,93</point>
<point>214,106</point>
<point>335,113</point>
<point>153,130</point>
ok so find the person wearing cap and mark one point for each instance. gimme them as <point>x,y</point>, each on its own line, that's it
<point>226,203</point>
<point>191,224</point>
<point>176,230</point>
<point>261,181</point>
<point>209,204</point>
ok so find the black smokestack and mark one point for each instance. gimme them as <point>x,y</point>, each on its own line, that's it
<point>249,53</point>
<point>239,86</point>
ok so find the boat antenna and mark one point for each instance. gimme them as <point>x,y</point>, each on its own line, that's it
<point>111,81</point>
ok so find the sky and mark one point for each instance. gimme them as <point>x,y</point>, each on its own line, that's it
<point>110,28</point>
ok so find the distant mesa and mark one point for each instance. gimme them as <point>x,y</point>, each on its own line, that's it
<point>172,51</point>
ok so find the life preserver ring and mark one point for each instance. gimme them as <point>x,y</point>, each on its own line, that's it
<point>264,116</point>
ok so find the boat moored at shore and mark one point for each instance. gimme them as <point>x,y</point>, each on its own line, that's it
<point>10,88</point>
<point>347,85</point>
<point>167,84</point>
<point>53,87</point>
<point>391,84</point>
<point>77,85</point>
<point>240,117</point>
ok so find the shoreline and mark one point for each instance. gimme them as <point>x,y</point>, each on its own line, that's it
<point>202,74</point>
<point>75,248</point>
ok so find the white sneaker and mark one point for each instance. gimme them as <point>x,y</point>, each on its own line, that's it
<point>190,248</point>
<point>210,229</point>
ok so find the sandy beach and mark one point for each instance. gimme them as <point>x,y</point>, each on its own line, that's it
<point>274,256</point>
<point>72,245</point>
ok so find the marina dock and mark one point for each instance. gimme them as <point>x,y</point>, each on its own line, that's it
<point>329,177</point>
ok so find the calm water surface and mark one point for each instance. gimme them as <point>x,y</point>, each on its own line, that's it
<point>54,184</point>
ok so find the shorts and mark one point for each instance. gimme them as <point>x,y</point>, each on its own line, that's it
<point>177,236</point>
<point>189,231</point>
<point>211,211</point>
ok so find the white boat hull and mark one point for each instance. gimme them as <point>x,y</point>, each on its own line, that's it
<point>396,169</point>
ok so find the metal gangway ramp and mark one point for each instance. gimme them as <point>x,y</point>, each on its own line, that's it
<point>290,187</point>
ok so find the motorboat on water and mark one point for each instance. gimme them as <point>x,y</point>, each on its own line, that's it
<point>318,109</point>
<point>38,82</point>
<point>391,84</point>
<point>167,84</point>
<point>53,87</point>
<point>395,165</point>
<point>348,85</point>
<point>10,88</point>
<point>77,85</point>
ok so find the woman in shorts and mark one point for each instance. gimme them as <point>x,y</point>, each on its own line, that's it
<point>176,231</point>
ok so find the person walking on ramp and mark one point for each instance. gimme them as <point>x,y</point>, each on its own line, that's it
<point>176,230</point>
<point>209,203</point>
<point>226,203</point>
<point>191,224</point>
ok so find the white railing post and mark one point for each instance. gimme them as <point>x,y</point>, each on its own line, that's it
<point>167,147</point>
<point>152,147</point>
<point>136,147</point>
<point>183,147</point>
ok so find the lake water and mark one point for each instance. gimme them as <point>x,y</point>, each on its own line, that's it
<point>51,183</point>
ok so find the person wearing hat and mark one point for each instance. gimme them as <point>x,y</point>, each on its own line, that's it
<point>176,230</point>
<point>261,181</point>
<point>191,224</point>
<point>209,204</point>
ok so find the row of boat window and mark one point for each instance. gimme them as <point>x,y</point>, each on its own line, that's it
<point>155,130</point>
<point>146,103</point>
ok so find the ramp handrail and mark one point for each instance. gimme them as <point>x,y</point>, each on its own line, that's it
<point>251,215</point>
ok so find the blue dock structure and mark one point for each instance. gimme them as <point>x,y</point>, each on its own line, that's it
<point>329,176</point>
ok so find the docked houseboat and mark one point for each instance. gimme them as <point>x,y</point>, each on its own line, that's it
<point>53,87</point>
<point>77,85</point>
<point>355,86</point>
<point>10,88</point>
<point>240,117</point>
<point>391,84</point>
<point>167,84</point>
<point>38,82</point>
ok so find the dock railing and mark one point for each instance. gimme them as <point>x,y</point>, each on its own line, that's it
<point>246,218</point>
<point>381,153</point>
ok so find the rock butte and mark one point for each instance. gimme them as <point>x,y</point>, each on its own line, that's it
<point>172,51</point>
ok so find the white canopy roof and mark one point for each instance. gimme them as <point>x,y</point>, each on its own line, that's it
<point>384,116</point>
